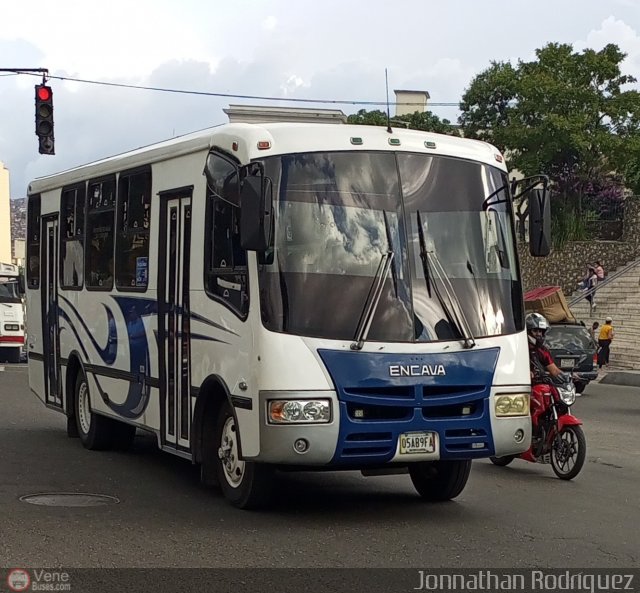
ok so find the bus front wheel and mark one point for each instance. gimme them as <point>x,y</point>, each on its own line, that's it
<point>440,480</point>
<point>94,430</point>
<point>245,484</point>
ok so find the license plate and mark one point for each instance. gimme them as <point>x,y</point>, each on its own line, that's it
<point>417,442</point>
<point>567,363</point>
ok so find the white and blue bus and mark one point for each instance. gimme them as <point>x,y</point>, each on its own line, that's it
<point>308,296</point>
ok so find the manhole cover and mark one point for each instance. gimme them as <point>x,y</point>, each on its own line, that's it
<point>69,499</point>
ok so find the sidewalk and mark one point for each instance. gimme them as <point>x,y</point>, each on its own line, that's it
<point>628,378</point>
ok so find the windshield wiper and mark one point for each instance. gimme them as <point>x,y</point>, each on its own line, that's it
<point>453,310</point>
<point>372,300</point>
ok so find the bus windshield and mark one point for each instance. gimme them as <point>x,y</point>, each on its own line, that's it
<point>9,292</point>
<point>337,213</point>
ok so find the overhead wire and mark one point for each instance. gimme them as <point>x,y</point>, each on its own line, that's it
<point>235,95</point>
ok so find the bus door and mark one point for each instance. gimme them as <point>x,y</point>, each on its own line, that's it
<point>50,322</point>
<point>174,317</point>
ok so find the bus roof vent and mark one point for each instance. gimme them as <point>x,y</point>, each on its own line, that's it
<point>260,114</point>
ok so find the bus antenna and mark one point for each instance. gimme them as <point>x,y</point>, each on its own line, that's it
<point>386,79</point>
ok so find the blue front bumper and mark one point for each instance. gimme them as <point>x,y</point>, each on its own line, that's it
<point>383,395</point>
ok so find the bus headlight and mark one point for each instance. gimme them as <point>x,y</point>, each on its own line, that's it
<point>299,411</point>
<point>512,404</point>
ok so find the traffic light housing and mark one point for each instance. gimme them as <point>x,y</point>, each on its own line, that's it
<point>44,119</point>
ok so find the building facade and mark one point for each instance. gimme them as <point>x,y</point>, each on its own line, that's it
<point>5,216</point>
<point>408,102</point>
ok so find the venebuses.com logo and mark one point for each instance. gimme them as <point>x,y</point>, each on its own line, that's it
<point>38,579</point>
<point>18,580</point>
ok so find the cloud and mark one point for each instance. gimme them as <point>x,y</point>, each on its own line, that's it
<point>613,30</point>
<point>98,41</point>
<point>270,23</point>
<point>291,85</point>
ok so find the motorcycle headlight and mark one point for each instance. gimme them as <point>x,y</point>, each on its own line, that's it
<point>567,394</point>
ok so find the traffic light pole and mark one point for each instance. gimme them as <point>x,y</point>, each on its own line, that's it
<point>45,71</point>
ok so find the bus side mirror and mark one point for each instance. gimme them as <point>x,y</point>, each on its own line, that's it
<point>256,209</point>
<point>539,223</point>
<point>21,285</point>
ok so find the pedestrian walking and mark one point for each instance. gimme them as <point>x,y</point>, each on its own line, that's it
<point>594,331</point>
<point>589,282</point>
<point>604,342</point>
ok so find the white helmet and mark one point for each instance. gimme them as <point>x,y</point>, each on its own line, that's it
<point>536,321</point>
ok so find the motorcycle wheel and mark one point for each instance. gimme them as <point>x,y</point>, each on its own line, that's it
<point>502,461</point>
<point>568,452</point>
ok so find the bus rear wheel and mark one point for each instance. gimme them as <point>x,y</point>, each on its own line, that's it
<point>245,484</point>
<point>95,431</point>
<point>440,480</point>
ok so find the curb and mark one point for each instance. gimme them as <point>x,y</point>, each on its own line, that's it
<point>626,378</point>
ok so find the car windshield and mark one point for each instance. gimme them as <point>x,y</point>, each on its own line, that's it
<point>9,290</point>
<point>569,338</point>
<point>337,213</point>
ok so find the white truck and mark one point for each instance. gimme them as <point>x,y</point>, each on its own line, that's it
<point>12,334</point>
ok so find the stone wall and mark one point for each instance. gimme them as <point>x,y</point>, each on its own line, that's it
<point>565,267</point>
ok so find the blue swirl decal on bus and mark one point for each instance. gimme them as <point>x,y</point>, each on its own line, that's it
<point>108,353</point>
<point>133,310</point>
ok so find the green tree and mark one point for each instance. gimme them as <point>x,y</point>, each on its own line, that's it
<point>567,115</point>
<point>425,121</point>
<point>564,114</point>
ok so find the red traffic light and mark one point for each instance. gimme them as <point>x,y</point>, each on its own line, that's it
<point>44,93</point>
<point>44,119</point>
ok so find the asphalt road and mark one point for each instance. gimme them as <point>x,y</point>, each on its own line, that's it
<point>515,517</point>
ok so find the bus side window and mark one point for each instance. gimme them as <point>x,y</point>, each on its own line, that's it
<point>132,238</point>
<point>226,261</point>
<point>33,242</point>
<point>100,227</point>
<point>72,237</point>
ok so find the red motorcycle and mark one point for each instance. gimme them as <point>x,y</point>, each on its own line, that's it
<point>557,435</point>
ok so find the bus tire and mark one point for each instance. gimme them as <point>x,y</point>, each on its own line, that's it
<point>245,484</point>
<point>72,427</point>
<point>438,481</point>
<point>209,453</point>
<point>95,431</point>
<point>123,435</point>
<point>502,461</point>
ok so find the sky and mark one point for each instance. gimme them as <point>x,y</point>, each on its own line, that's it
<point>334,50</point>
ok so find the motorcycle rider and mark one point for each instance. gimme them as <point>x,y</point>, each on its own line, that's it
<point>550,416</point>
<point>539,355</point>
<point>541,362</point>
